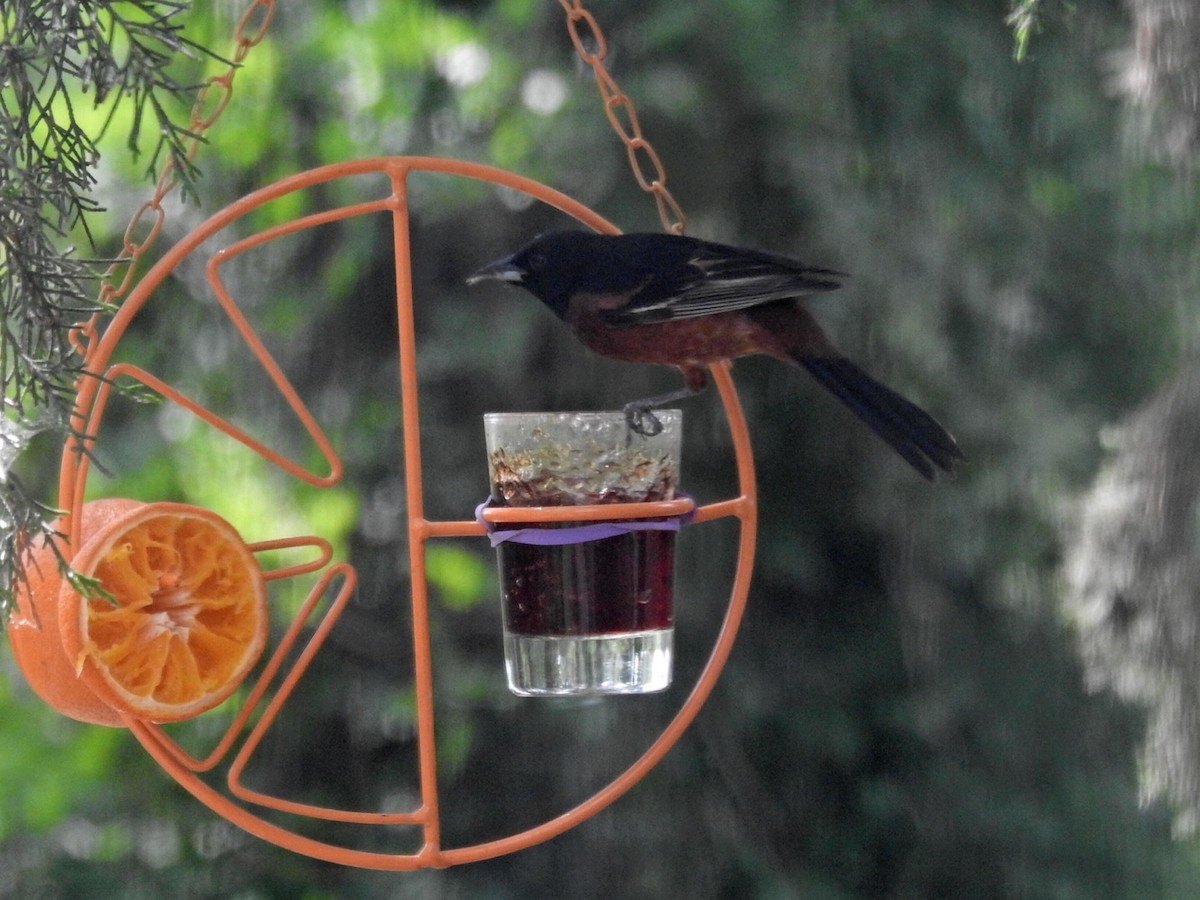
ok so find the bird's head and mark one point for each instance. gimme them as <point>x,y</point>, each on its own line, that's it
<point>549,267</point>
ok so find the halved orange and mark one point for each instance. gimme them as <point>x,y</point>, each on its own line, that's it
<point>177,623</point>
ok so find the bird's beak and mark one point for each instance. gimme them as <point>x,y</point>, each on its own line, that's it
<point>501,270</point>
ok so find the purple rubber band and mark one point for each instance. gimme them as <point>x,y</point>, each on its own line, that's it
<point>577,534</point>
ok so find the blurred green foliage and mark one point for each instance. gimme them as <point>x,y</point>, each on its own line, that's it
<point>903,715</point>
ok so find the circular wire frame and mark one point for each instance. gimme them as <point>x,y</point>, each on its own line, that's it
<point>339,577</point>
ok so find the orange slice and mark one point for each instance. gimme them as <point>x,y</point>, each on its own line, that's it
<point>181,621</point>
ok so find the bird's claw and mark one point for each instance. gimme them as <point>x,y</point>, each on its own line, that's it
<point>641,420</point>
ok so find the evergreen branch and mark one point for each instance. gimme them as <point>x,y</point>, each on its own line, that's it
<point>1025,18</point>
<point>54,56</point>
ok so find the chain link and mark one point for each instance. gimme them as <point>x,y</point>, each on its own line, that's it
<point>647,168</point>
<point>210,103</point>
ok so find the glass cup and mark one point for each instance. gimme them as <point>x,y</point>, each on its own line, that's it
<point>592,616</point>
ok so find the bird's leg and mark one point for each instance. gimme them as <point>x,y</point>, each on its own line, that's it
<point>639,416</point>
<point>638,413</point>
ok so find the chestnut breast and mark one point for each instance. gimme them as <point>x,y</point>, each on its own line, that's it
<point>776,329</point>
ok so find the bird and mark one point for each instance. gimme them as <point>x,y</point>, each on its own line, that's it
<point>681,301</point>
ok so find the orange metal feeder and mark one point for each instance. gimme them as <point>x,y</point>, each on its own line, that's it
<point>240,741</point>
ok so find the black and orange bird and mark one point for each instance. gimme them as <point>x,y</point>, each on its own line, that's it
<point>688,303</point>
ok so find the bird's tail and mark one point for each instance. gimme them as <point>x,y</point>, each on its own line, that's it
<point>910,431</point>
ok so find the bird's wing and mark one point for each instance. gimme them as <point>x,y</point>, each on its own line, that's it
<point>717,279</point>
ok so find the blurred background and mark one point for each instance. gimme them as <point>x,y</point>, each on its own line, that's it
<point>984,687</point>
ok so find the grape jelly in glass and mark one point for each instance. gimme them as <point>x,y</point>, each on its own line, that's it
<point>592,616</point>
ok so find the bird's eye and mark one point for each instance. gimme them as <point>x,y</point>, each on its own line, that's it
<point>537,262</point>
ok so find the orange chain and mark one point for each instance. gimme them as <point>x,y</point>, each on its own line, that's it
<point>211,100</point>
<point>647,167</point>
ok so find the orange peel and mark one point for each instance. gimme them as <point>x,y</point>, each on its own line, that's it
<point>177,621</point>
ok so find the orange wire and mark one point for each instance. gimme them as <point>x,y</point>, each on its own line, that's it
<point>93,391</point>
<point>91,400</point>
